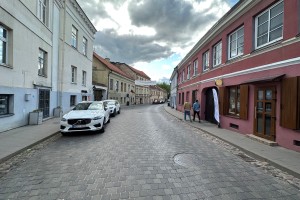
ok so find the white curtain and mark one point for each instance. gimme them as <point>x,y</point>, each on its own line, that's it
<point>216,102</point>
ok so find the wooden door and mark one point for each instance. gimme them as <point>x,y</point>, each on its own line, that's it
<point>265,112</point>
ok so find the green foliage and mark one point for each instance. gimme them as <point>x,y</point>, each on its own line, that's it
<point>164,86</point>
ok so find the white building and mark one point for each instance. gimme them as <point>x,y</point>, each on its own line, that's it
<point>46,49</point>
<point>173,89</point>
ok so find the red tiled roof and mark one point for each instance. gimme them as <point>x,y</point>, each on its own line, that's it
<point>141,73</point>
<point>111,66</point>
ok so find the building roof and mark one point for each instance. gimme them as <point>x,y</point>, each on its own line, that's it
<point>141,73</point>
<point>111,66</point>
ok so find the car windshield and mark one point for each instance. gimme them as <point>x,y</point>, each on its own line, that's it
<point>88,106</point>
<point>111,103</point>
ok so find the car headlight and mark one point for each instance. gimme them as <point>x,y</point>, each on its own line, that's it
<point>97,118</point>
<point>63,119</point>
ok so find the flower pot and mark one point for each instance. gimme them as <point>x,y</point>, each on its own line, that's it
<point>35,118</point>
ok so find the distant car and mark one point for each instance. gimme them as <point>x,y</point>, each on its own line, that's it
<point>155,101</point>
<point>161,101</point>
<point>85,116</point>
<point>113,106</point>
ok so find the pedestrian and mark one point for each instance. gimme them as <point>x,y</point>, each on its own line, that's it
<point>187,110</point>
<point>196,109</point>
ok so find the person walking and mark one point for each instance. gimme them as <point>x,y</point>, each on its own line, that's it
<point>187,110</point>
<point>196,109</point>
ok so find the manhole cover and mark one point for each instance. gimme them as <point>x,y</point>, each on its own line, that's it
<point>188,160</point>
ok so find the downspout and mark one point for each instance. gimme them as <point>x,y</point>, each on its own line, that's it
<point>108,86</point>
<point>62,56</point>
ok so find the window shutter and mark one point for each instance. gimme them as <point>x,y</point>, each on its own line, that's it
<point>222,100</point>
<point>244,102</point>
<point>289,108</point>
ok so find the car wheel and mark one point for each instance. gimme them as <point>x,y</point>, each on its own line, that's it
<point>64,134</point>
<point>102,129</point>
<point>119,111</point>
<point>114,113</point>
<point>108,120</point>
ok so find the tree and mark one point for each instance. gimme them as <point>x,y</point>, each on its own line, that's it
<point>165,86</point>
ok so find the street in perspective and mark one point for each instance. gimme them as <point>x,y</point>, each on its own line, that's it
<point>144,153</point>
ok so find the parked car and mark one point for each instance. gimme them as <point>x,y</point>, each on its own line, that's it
<point>113,106</point>
<point>85,116</point>
<point>155,101</point>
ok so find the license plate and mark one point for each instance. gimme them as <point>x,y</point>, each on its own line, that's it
<point>78,126</point>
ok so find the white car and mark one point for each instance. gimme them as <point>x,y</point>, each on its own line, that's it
<point>85,116</point>
<point>113,106</point>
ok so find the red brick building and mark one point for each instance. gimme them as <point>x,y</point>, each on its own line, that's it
<point>251,57</point>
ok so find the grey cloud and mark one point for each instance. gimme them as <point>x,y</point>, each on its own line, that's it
<point>175,21</point>
<point>128,48</point>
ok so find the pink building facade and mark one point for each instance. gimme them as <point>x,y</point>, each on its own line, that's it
<point>251,58</point>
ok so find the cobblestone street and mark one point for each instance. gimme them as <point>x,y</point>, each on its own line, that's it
<point>144,153</point>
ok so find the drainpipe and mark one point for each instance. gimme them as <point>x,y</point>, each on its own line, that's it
<point>108,86</point>
<point>62,58</point>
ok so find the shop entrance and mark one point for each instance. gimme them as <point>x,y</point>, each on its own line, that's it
<point>210,107</point>
<point>265,112</point>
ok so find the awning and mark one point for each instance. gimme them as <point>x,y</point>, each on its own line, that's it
<point>274,78</point>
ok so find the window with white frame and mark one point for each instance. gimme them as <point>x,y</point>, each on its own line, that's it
<point>188,72</point>
<point>84,46</point>
<point>236,43</point>
<point>42,63</point>
<point>205,61</point>
<point>217,54</point>
<point>182,75</point>
<point>195,64</point>
<point>42,10</point>
<point>3,45</point>
<point>83,78</point>
<point>74,74</point>
<point>4,104</point>
<point>269,25</point>
<point>74,37</point>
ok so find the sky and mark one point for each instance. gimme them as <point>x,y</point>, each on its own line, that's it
<point>151,35</point>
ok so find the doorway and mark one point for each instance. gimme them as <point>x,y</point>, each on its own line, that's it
<point>44,101</point>
<point>265,112</point>
<point>210,107</point>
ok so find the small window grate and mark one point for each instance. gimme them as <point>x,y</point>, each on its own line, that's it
<point>297,142</point>
<point>234,126</point>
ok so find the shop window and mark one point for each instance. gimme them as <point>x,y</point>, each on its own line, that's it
<point>234,101</point>
<point>6,104</point>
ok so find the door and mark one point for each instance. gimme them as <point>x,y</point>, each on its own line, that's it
<point>44,102</point>
<point>194,95</point>
<point>265,112</point>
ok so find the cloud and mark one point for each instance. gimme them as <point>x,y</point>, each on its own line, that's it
<point>133,31</point>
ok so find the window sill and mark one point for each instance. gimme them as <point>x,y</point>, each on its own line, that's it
<point>7,115</point>
<point>6,65</point>
<point>232,116</point>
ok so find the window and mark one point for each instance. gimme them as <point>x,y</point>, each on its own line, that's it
<point>74,74</point>
<point>187,96</point>
<point>42,11</point>
<point>234,100</point>
<point>182,98</point>
<point>74,37</point>
<point>72,100</point>
<point>188,72</point>
<point>195,67</point>
<point>124,87</point>
<point>4,104</point>
<point>205,61</point>
<point>84,46</point>
<point>217,54</point>
<point>182,75</point>
<point>269,25</point>
<point>42,63</point>
<point>84,78</point>
<point>111,84</point>
<point>179,99</point>
<point>117,86</point>
<point>3,45</point>
<point>121,87</point>
<point>236,43</point>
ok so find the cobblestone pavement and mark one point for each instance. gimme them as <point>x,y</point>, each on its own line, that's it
<point>143,154</point>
